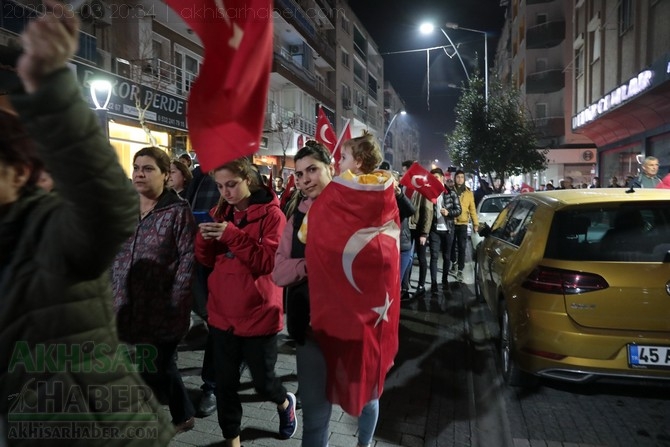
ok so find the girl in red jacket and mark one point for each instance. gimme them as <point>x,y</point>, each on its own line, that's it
<point>244,305</point>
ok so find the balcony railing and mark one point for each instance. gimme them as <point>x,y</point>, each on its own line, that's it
<point>296,68</point>
<point>280,119</point>
<point>546,35</point>
<point>547,81</point>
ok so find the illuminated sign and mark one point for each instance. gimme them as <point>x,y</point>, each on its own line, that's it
<point>615,98</point>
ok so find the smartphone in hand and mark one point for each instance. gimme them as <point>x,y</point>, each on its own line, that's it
<point>202,216</point>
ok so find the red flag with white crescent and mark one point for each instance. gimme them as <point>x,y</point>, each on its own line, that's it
<point>422,181</point>
<point>325,134</point>
<point>288,191</point>
<point>226,105</point>
<point>525,187</point>
<point>337,153</point>
<point>354,287</point>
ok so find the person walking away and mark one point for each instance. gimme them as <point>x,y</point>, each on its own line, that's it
<point>468,213</point>
<point>55,253</point>
<point>447,208</point>
<point>151,279</point>
<point>244,306</point>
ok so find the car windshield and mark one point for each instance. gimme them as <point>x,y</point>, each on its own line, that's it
<point>631,232</point>
<point>494,204</point>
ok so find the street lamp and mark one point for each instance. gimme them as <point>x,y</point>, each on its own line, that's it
<point>101,93</point>
<point>399,112</point>
<point>451,25</point>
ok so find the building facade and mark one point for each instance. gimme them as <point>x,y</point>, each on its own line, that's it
<point>621,78</point>
<point>535,55</point>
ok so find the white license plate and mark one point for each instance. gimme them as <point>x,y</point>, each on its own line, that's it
<point>649,356</point>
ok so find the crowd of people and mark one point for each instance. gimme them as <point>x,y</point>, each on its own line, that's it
<point>87,257</point>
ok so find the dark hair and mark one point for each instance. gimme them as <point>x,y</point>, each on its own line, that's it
<point>437,171</point>
<point>185,171</point>
<point>162,159</point>
<point>407,164</point>
<point>385,166</point>
<point>315,150</point>
<point>17,149</point>
<point>459,171</point>
<point>186,157</point>
<point>365,150</point>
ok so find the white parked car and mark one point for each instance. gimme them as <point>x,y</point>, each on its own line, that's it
<point>487,211</point>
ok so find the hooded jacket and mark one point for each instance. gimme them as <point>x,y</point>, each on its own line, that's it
<point>243,299</point>
<point>152,274</point>
<point>55,250</point>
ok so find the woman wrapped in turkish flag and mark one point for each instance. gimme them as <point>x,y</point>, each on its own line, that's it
<point>352,256</point>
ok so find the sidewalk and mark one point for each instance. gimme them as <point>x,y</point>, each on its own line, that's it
<point>427,399</point>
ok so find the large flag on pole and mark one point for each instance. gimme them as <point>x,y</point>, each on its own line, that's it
<point>325,134</point>
<point>226,105</point>
<point>337,153</point>
<point>422,181</point>
<point>354,287</point>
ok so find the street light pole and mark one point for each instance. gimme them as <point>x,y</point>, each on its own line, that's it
<point>399,112</point>
<point>486,55</point>
<point>101,93</point>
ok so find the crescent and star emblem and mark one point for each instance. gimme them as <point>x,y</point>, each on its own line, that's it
<point>383,311</point>
<point>359,240</point>
<point>238,33</point>
<point>415,181</point>
<point>322,133</point>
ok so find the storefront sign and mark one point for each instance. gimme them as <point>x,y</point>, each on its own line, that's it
<point>163,108</point>
<point>615,98</point>
<point>658,73</point>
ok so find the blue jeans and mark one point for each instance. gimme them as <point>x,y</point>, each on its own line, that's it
<point>405,262</point>
<point>316,408</point>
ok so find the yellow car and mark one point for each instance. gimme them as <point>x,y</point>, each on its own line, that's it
<point>579,281</point>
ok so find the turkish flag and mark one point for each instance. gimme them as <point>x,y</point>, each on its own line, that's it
<point>526,188</point>
<point>288,191</point>
<point>337,153</point>
<point>422,181</point>
<point>324,131</point>
<point>354,287</point>
<point>227,102</point>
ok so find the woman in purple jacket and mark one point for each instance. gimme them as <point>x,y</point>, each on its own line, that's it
<point>151,279</point>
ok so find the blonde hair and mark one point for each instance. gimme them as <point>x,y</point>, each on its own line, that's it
<point>365,149</point>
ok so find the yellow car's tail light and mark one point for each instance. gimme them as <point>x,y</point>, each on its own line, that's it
<point>563,282</point>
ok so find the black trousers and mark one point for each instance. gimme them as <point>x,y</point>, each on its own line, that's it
<point>420,251</point>
<point>260,354</point>
<point>440,245</point>
<point>166,379</point>
<point>460,240</point>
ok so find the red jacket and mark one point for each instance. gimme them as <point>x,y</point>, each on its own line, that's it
<point>242,296</point>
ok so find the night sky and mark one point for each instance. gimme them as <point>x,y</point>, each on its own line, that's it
<point>393,25</point>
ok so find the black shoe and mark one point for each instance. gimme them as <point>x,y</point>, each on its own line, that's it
<point>207,404</point>
<point>298,401</point>
<point>420,291</point>
<point>405,295</point>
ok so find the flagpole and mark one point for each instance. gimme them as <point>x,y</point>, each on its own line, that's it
<point>339,139</point>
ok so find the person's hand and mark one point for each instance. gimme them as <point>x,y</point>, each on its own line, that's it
<point>212,230</point>
<point>444,212</point>
<point>48,42</point>
<point>422,240</point>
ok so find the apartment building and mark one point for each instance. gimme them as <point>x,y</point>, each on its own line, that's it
<point>535,55</point>
<point>621,77</point>
<point>322,56</point>
<point>401,138</point>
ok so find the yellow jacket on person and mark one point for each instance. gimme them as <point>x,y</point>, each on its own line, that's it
<point>469,210</point>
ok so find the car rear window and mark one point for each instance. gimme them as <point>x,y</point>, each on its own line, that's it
<point>631,232</point>
<point>494,204</point>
